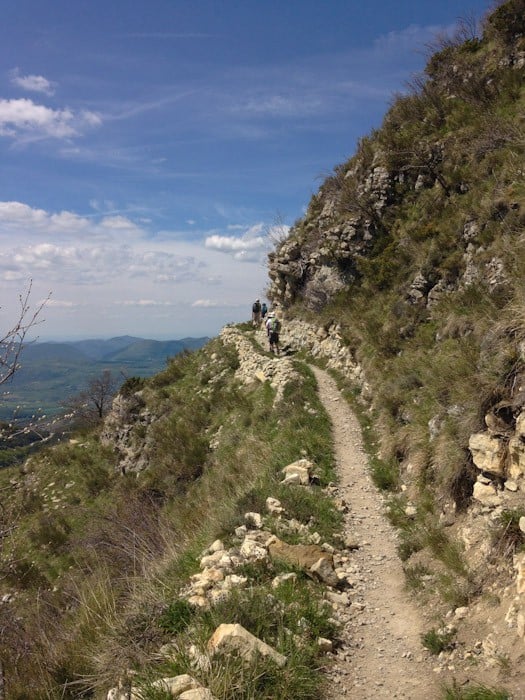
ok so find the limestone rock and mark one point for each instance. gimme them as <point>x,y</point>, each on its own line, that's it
<point>234,638</point>
<point>253,551</point>
<point>273,506</point>
<point>520,425</point>
<point>303,555</point>
<point>324,645</point>
<point>253,520</point>
<point>176,685</point>
<point>197,694</point>
<point>516,457</point>
<point>323,570</point>
<point>486,494</point>
<point>302,468</point>
<point>488,453</point>
<point>283,578</point>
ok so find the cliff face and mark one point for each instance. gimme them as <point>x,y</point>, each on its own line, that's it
<point>443,172</point>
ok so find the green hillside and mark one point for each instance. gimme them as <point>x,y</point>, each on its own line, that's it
<point>53,372</point>
<point>409,269</point>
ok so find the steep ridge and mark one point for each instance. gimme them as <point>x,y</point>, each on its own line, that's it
<point>406,275</point>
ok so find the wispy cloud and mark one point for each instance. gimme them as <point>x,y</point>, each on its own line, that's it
<point>32,83</point>
<point>215,304</point>
<point>168,35</point>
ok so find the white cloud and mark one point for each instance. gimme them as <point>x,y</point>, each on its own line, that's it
<point>232,244</point>
<point>58,303</point>
<point>205,304</point>
<point>109,274</point>
<point>143,303</point>
<point>32,83</point>
<point>23,119</point>
<point>214,304</point>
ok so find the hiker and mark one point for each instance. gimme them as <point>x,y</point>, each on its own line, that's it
<point>264,310</point>
<point>267,322</point>
<point>256,312</point>
<point>274,328</point>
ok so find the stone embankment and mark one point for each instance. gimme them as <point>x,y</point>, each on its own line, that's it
<point>254,366</point>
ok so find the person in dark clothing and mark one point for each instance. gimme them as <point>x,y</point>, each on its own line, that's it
<point>256,312</point>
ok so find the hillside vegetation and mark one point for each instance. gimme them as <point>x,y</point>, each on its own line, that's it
<point>410,260</point>
<point>51,373</point>
<point>415,248</point>
<point>95,554</point>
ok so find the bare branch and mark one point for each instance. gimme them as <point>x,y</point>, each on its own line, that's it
<point>14,339</point>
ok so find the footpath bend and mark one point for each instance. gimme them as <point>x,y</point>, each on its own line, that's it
<point>381,655</point>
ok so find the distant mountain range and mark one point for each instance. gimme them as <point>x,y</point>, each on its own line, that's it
<point>53,371</point>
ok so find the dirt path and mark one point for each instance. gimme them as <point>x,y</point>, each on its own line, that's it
<point>382,655</point>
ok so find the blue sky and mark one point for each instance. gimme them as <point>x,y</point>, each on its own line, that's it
<point>149,147</point>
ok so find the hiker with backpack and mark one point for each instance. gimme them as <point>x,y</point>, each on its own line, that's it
<point>264,310</point>
<point>273,327</point>
<point>256,312</point>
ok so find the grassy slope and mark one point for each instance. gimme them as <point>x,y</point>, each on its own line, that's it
<point>447,363</point>
<point>96,558</point>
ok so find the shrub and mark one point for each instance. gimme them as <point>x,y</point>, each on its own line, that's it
<point>507,537</point>
<point>438,640</point>
<point>475,692</point>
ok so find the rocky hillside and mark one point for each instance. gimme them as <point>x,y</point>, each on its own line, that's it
<point>193,547</point>
<point>412,257</point>
<point>415,250</point>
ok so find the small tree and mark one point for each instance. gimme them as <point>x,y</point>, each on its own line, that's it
<point>91,405</point>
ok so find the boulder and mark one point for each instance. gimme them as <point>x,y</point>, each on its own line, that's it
<point>234,638</point>
<point>253,551</point>
<point>273,506</point>
<point>324,645</point>
<point>323,570</point>
<point>488,453</point>
<point>486,494</point>
<point>302,469</point>
<point>283,578</point>
<point>302,555</point>
<point>253,520</point>
<point>520,425</point>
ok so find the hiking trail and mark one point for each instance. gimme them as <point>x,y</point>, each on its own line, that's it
<point>381,654</point>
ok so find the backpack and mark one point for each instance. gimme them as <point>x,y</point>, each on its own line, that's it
<point>256,307</point>
<point>275,325</point>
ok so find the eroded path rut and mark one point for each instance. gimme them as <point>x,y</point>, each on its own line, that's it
<point>382,655</point>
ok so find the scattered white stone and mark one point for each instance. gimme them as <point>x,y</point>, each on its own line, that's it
<point>216,546</point>
<point>282,578</point>
<point>252,550</point>
<point>253,520</point>
<point>176,685</point>
<point>234,638</point>
<point>324,645</point>
<point>273,506</point>
<point>302,468</point>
